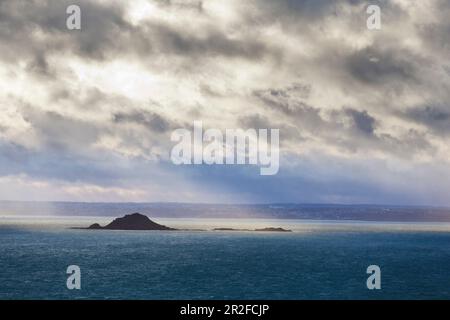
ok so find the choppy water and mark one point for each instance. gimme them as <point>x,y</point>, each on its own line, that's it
<point>319,260</point>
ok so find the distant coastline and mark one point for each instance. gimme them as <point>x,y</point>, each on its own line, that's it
<point>379,213</point>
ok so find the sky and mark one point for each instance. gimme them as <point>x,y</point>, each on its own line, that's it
<point>87,115</point>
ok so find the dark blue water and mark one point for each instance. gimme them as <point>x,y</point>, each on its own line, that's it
<point>214,265</point>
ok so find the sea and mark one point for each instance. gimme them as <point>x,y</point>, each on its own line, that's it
<point>319,259</point>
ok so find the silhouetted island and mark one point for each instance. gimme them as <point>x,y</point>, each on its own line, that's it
<point>135,221</point>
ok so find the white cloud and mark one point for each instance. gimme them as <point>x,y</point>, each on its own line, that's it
<point>138,70</point>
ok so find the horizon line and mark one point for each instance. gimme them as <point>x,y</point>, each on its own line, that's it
<point>235,204</point>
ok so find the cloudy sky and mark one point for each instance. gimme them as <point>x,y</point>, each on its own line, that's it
<point>364,116</point>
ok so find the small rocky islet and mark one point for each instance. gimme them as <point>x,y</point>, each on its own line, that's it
<point>137,221</point>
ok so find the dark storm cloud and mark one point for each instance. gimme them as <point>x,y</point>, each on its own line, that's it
<point>373,65</point>
<point>308,16</point>
<point>305,9</point>
<point>435,118</point>
<point>364,122</point>
<point>104,28</point>
<point>106,34</point>
<point>150,120</point>
<point>40,66</point>
<point>349,129</point>
<point>290,102</point>
<point>214,42</point>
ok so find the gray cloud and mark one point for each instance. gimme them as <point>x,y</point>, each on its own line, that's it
<point>364,122</point>
<point>112,92</point>
<point>375,66</point>
<point>104,28</point>
<point>150,120</point>
<point>107,34</point>
<point>435,118</point>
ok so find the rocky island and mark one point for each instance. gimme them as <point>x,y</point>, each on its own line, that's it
<point>135,221</point>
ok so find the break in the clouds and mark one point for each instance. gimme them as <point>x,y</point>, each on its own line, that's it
<point>364,115</point>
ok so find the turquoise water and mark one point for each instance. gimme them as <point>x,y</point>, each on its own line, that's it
<point>319,260</point>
